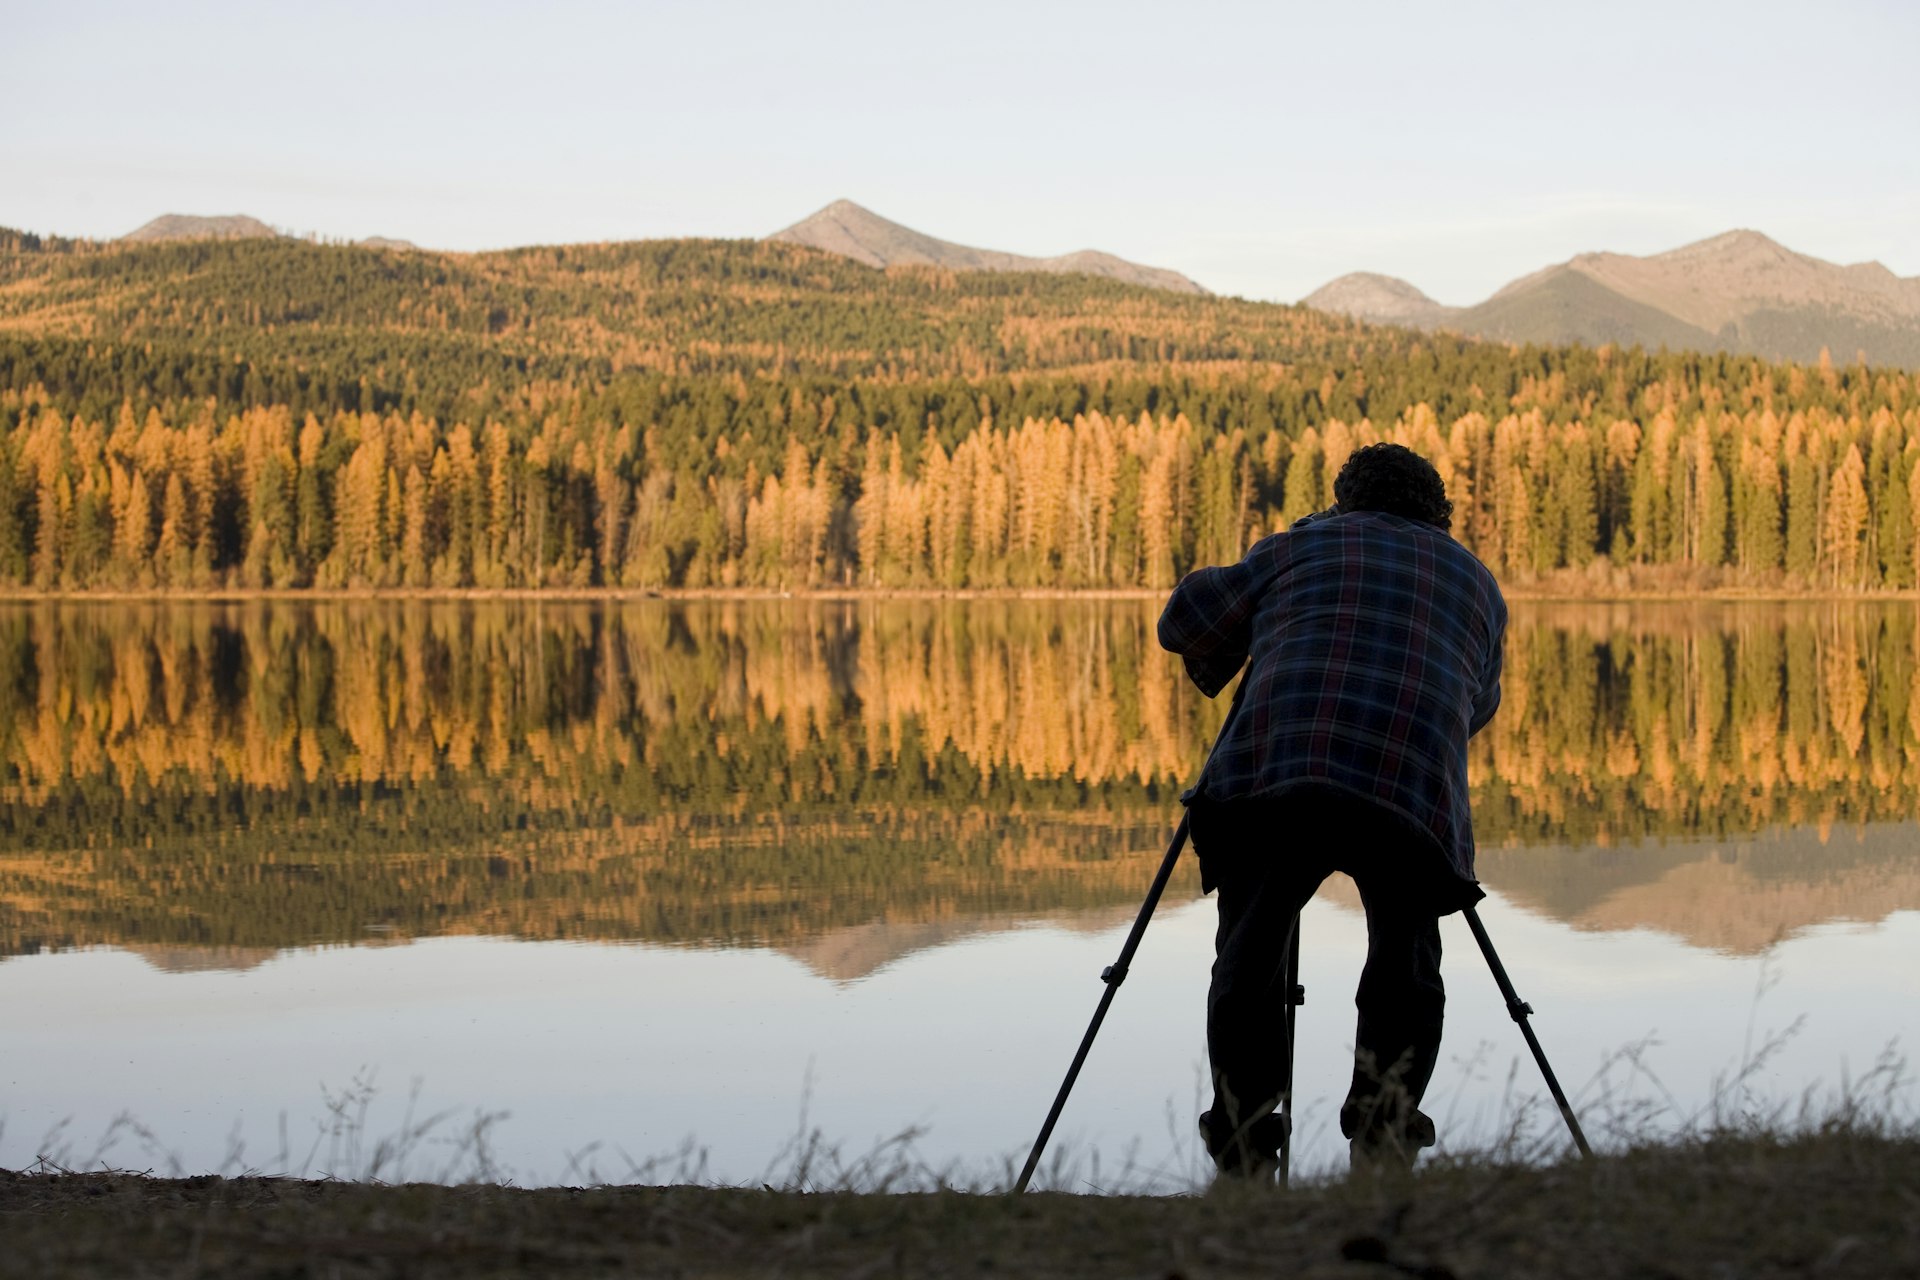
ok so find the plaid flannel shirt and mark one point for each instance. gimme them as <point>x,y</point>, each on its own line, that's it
<point>1374,644</point>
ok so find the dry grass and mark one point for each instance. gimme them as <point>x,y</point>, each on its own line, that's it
<point>1827,1185</point>
<point>1839,1202</point>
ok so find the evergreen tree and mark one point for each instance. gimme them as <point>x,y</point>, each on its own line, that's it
<point>136,532</point>
<point>1844,527</point>
<point>173,554</point>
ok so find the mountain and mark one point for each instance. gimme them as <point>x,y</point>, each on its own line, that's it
<point>1380,299</point>
<point>848,953</point>
<point>187,226</point>
<point>385,242</point>
<point>851,231</point>
<point>1739,291</point>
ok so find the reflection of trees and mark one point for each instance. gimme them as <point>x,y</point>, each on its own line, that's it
<point>1618,721</point>
<point>264,775</point>
<point>1739,895</point>
<point>1628,721</point>
<point>557,707</point>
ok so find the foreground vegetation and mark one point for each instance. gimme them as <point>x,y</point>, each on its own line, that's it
<point>1836,1203</point>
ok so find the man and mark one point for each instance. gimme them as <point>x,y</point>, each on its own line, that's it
<point>1372,641</point>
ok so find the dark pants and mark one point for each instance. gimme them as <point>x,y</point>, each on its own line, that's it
<point>1266,858</point>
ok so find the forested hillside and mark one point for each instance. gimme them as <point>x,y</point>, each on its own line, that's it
<point>277,413</point>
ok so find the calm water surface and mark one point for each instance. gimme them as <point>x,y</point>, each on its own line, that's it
<point>652,889</point>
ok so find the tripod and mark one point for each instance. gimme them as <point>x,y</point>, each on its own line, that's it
<point>1293,996</point>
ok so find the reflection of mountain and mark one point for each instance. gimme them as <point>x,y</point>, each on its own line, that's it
<point>170,959</point>
<point>848,896</point>
<point>852,952</point>
<point>844,893</point>
<point>1739,895</point>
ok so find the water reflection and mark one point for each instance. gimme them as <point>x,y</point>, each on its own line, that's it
<point>877,851</point>
<point>1739,896</point>
<point>852,781</point>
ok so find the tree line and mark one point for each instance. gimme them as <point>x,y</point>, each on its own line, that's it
<point>1809,498</point>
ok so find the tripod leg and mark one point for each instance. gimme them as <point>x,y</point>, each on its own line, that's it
<point>1116,973</point>
<point>1519,1010</point>
<point>1294,996</point>
<point>1113,975</point>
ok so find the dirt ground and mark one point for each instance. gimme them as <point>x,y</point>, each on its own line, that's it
<point>1839,1205</point>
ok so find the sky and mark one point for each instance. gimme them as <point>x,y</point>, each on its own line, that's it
<point>1262,149</point>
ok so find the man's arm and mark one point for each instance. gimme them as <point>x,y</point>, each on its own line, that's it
<point>1208,621</point>
<point>1487,701</point>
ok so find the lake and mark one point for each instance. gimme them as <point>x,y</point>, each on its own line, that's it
<point>763,890</point>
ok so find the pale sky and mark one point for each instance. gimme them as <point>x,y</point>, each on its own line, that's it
<point>1260,148</point>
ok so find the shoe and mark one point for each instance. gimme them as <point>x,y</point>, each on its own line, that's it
<point>1386,1149</point>
<point>1251,1153</point>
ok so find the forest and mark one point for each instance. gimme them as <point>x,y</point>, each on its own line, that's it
<point>687,414</point>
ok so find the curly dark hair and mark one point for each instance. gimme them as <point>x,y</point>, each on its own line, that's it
<point>1394,479</point>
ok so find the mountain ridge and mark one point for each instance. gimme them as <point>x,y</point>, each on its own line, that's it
<point>1739,291</point>
<point>191,226</point>
<point>856,232</point>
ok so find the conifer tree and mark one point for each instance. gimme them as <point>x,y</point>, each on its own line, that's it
<point>135,532</point>
<point>987,563</point>
<point>1336,443</point>
<point>313,516</point>
<point>13,550</point>
<point>462,496</point>
<point>55,500</point>
<point>536,511</point>
<point>905,521</point>
<point>496,471</point>
<point>1622,448</point>
<point>609,516</point>
<point>415,554</point>
<point>1803,518</point>
<point>1576,499</point>
<point>196,467</point>
<point>1890,523</point>
<point>1913,505</point>
<point>869,511</point>
<point>1844,523</point>
<point>1513,499</point>
<point>390,565</point>
<point>1157,520</point>
<point>942,511</point>
<point>1757,515</point>
<point>648,561</point>
<point>173,554</point>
